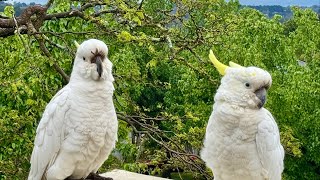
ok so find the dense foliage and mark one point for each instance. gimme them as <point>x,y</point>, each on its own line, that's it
<point>164,81</point>
<point>285,12</point>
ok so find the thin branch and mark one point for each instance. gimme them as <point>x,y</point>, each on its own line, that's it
<point>113,11</point>
<point>20,37</point>
<point>66,47</point>
<point>140,4</point>
<point>47,53</point>
<point>195,54</point>
<point>199,71</point>
<point>4,17</point>
<point>53,43</point>
<point>72,13</point>
<point>110,32</point>
<point>49,3</point>
<point>149,130</point>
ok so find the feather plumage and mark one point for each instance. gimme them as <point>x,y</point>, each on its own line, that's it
<point>242,138</point>
<point>78,129</point>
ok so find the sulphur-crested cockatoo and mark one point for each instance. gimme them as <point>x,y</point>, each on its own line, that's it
<point>78,129</point>
<point>242,139</point>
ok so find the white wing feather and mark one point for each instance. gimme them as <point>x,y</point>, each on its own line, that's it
<point>270,150</point>
<point>50,134</point>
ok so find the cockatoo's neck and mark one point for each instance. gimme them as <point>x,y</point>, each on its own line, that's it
<point>87,85</point>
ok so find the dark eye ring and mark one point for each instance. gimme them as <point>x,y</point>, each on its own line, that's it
<point>84,58</point>
<point>247,84</point>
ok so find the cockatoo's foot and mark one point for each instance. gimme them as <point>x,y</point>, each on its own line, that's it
<point>94,176</point>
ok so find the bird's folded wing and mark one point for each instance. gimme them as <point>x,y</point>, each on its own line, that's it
<point>270,150</point>
<point>50,134</point>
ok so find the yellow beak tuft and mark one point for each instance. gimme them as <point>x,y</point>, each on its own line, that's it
<point>76,43</point>
<point>235,65</point>
<point>219,66</point>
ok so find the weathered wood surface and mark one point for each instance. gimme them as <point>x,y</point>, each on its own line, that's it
<point>118,174</point>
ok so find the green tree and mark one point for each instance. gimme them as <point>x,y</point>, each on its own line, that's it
<point>164,81</point>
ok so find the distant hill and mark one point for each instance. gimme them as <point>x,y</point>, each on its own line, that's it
<point>18,7</point>
<point>285,12</point>
<point>268,10</point>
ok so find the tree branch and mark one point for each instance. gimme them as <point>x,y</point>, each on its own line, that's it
<point>113,11</point>
<point>7,24</point>
<point>49,3</point>
<point>46,52</point>
<point>182,155</point>
<point>72,13</point>
<point>23,18</point>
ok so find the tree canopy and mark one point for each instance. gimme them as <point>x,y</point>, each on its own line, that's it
<point>164,81</point>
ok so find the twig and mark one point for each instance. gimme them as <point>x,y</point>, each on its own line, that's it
<point>19,35</point>
<point>47,53</point>
<point>150,129</point>
<point>113,11</point>
<point>49,3</point>
<point>140,4</point>
<point>200,71</point>
<point>53,43</point>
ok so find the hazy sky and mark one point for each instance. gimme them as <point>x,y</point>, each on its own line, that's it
<point>281,2</point>
<point>244,2</point>
<point>29,1</point>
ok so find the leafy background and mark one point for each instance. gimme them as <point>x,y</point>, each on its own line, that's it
<point>164,82</point>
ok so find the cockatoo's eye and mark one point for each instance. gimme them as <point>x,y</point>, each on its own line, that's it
<point>247,84</point>
<point>84,58</point>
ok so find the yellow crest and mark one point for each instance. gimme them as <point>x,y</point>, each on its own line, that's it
<point>76,43</point>
<point>232,64</point>
<point>222,68</point>
<point>219,66</point>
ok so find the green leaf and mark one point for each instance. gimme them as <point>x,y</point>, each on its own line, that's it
<point>140,14</point>
<point>9,11</point>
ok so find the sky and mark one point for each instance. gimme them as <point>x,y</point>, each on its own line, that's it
<point>281,2</point>
<point>28,1</point>
<point>244,2</point>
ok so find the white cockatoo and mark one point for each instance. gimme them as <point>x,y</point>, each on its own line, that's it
<point>242,140</point>
<point>78,129</point>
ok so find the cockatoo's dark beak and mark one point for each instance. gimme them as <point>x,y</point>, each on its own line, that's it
<point>262,95</point>
<point>98,58</point>
<point>99,65</point>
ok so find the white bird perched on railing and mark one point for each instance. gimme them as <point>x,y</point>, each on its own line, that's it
<point>242,139</point>
<point>78,129</point>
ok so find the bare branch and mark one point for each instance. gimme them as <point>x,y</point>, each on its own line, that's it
<point>20,37</point>
<point>4,17</point>
<point>47,53</point>
<point>5,32</point>
<point>72,13</point>
<point>49,3</point>
<point>7,24</point>
<point>156,134</point>
<point>24,17</point>
<point>113,11</point>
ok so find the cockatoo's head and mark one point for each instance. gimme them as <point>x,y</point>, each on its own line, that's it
<point>92,61</point>
<point>243,86</point>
